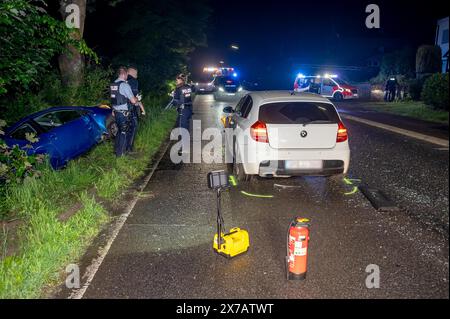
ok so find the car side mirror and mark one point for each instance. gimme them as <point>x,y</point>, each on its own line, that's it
<point>228,110</point>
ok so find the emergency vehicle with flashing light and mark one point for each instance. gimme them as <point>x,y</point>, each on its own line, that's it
<point>327,85</point>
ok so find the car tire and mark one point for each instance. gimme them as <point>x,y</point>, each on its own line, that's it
<point>239,173</point>
<point>338,96</point>
<point>111,127</point>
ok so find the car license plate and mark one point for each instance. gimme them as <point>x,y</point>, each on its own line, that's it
<point>303,164</point>
<point>230,94</point>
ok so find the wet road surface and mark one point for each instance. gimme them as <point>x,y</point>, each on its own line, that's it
<point>164,249</point>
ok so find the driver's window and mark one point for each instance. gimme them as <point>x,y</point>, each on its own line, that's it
<point>48,121</point>
<point>328,82</point>
<point>68,116</point>
<point>21,132</point>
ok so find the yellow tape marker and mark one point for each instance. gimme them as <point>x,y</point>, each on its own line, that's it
<point>347,181</point>
<point>354,191</point>
<point>232,180</point>
<point>256,195</point>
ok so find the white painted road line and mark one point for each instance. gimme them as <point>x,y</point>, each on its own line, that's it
<point>416,135</point>
<point>92,269</point>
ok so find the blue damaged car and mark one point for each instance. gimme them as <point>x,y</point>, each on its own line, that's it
<point>63,133</point>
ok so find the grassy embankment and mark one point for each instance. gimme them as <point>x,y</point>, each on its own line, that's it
<point>61,212</point>
<point>414,109</point>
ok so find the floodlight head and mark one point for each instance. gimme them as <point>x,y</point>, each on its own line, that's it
<point>218,179</point>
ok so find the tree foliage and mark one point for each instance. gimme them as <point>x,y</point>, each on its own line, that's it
<point>400,62</point>
<point>159,36</point>
<point>15,164</point>
<point>30,38</point>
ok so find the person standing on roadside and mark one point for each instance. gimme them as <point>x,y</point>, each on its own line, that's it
<point>135,109</point>
<point>391,89</point>
<point>121,97</point>
<point>182,99</point>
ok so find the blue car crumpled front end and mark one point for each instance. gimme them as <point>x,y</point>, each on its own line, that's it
<point>100,116</point>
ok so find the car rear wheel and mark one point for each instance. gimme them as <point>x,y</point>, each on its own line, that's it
<point>239,173</point>
<point>338,96</point>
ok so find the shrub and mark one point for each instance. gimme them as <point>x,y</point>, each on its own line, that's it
<point>15,164</point>
<point>435,91</point>
<point>415,89</point>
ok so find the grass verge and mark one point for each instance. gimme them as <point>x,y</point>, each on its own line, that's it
<point>415,109</point>
<point>47,243</point>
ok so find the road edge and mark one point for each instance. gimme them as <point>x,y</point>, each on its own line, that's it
<point>114,230</point>
<point>412,134</point>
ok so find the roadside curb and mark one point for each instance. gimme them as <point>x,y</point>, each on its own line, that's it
<point>115,227</point>
<point>416,135</point>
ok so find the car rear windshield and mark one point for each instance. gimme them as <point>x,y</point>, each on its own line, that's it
<point>227,81</point>
<point>298,113</point>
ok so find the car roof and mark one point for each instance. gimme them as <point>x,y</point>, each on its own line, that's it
<point>33,115</point>
<point>262,97</point>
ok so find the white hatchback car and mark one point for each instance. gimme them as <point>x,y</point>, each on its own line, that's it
<point>283,134</point>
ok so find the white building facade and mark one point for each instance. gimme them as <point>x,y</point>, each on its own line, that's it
<point>442,41</point>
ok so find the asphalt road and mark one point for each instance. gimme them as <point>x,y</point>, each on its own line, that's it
<point>164,249</point>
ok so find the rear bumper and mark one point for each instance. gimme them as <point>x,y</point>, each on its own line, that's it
<point>261,159</point>
<point>351,96</point>
<point>204,89</point>
<point>278,168</point>
<point>227,95</point>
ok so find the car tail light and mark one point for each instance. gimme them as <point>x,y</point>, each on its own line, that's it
<point>342,134</point>
<point>258,132</point>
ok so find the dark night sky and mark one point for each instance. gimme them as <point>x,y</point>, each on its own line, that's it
<point>275,35</point>
<point>272,34</point>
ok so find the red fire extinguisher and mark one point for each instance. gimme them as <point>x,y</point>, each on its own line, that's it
<point>297,249</point>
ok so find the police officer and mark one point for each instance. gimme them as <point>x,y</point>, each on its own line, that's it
<point>121,97</point>
<point>182,99</point>
<point>134,108</point>
<point>391,88</point>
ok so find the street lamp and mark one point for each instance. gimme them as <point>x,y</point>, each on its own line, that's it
<point>234,47</point>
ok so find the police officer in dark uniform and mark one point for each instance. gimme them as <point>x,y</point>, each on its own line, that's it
<point>135,109</point>
<point>391,89</point>
<point>121,97</point>
<point>182,99</point>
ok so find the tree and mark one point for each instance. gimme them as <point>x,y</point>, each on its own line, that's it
<point>71,61</point>
<point>400,62</point>
<point>159,37</point>
<point>428,60</point>
<point>29,39</point>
